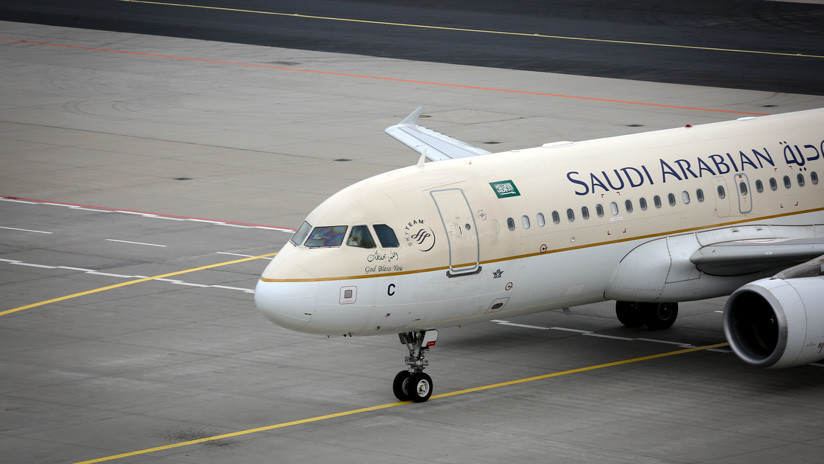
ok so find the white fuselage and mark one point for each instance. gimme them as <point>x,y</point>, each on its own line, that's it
<point>549,227</point>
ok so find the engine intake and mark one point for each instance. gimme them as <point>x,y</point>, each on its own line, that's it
<point>777,322</point>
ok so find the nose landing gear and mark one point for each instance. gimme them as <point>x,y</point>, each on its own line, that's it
<point>413,384</point>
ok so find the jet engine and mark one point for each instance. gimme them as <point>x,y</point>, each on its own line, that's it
<point>777,322</point>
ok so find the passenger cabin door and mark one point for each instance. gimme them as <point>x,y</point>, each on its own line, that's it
<point>461,231</point>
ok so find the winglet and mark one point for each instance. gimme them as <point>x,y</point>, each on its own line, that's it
<point>412,119</point>
<point>434,145</point>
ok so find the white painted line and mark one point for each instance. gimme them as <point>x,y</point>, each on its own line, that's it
<point>523,326</point>
<point>207,221</point>
<point>247,290</point>
<point>651,340</point>
<point>26,230</point>
<point>81,269</point>
<point>238,254</point>
<point>613,337</point>
<point>180,282</point>
<point>20,201</point>
<point>33,265</point>
<point>122,276</point>
<point>151,215</point>
<point>233,254</point>
<point>135,243</point>
<point>106,274</point>
<point>571,330</point>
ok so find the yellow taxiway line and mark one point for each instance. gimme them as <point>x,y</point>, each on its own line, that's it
<point>401,403</point>
<point>480,31</point>
<point>131,282</point>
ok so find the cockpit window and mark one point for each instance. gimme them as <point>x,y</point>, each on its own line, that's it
<point>299,236</point>
<point>360,237</point>
<point>326,236</point>
<point>386,236</point>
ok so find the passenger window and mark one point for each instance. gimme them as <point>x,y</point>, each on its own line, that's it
<point>671,199</point>
<point>510,223</point>
<point>599,210</point>
<point>721,192</point>
<point>814,177</point>
<point>556,218</point>
<point>360,237</point>
<point>300,235</point>
<point>613,208</point>
<point>525,221</point>
<point>642,202</point>
<point>800,180</point>
<point>585,212</point>
<point>685,197</point>
<point>742,187</point>
<point>699,195</point>
<point>773,184</point>
<point>326,236</point>
<point>570,215</point>
<point>541,221</point>
<point>628,205</point>
<point>657,200</point>
<point>386,236</point>
<point>787,182</point>
<point>759,186</point>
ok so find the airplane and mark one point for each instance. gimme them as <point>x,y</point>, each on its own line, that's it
<point>648,220</point>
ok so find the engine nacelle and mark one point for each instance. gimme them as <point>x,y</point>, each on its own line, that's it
<point>777,322</point>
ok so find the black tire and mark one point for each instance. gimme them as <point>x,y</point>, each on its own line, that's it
<point>658,316</point>
<point>401,385</point>
<point>629,313</point>
<point>419,387</point>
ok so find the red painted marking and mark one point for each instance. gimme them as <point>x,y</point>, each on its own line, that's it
<point>120,210</point>
<point>391,79</point>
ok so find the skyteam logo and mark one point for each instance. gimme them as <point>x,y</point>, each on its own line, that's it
<point>505,189</point>
<point>419,235</point>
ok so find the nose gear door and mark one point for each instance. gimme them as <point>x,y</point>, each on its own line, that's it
<point>461,231</point>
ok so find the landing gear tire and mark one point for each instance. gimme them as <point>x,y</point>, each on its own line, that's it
<point>401,385</point>
<point>629,313</point>
<point>659,316</point>
<point>413,384</point>
<point>419,387</point>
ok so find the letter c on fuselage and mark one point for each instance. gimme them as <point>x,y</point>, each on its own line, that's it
<point>390,290</point>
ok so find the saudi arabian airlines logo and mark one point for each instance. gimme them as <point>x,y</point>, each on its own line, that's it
<point>419,235</point>
<point>505,189</point>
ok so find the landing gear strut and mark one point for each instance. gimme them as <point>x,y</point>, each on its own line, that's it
<point>413,384</point>
<point>655,316</point>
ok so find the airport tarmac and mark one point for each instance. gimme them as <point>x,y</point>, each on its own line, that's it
<point>126,157</point>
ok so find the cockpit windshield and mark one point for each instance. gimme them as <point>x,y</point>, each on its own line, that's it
<point>360,236</point>
<point>326,236</point>
<point>299,236</point>
<point>386,236</point>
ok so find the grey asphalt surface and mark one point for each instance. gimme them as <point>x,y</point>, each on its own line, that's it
<point>128,155</point>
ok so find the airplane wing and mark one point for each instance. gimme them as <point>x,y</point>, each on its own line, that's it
<point>434,145</point>
<point>750,256</point>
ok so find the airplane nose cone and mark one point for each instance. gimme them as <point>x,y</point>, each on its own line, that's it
<point>287,304</point>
